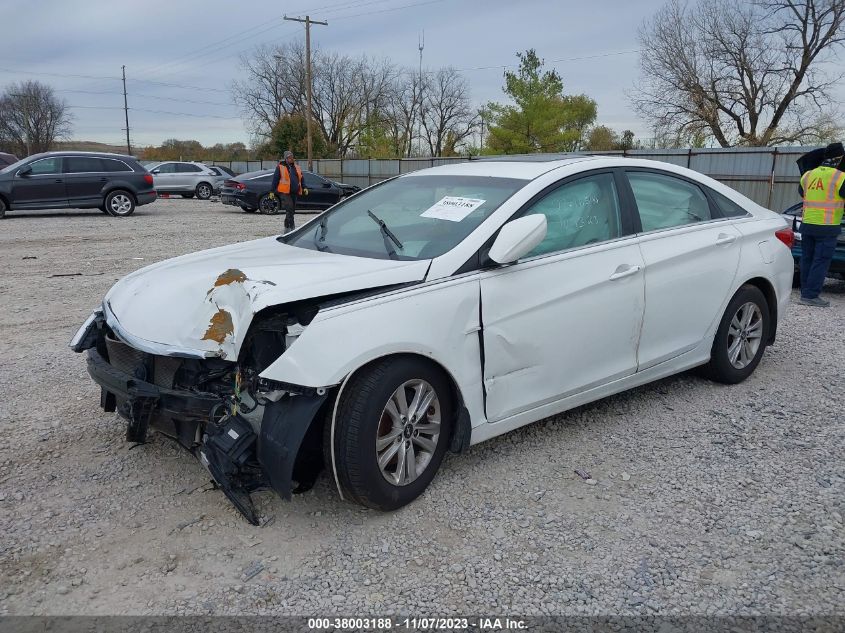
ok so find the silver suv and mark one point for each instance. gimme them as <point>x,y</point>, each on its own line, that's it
<point>186,179</point>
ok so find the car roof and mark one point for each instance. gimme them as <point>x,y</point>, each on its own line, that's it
<point>71,153</point>
<point>502,167</point>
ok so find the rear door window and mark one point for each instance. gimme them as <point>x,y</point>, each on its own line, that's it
<point>82,165</point>
<point>188,168</point>
<point>665,201</point>
<point>166,168</point>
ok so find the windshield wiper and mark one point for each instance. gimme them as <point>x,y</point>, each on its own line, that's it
<point>387,233</point>
<point>322,230</point>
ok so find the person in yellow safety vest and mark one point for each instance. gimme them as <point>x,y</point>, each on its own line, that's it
<point>288,186</point>
<point>823,193</point>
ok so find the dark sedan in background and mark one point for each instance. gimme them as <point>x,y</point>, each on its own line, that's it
<point>251,192</point>
<point>7,159</point>
<point>837,265</point>
<point>113,183</point>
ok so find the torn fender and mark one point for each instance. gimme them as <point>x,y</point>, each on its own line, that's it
<point>283,428</point>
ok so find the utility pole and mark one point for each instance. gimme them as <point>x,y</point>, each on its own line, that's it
<point>308,22</point>
<point>421,46</point>
<point>126,112</point>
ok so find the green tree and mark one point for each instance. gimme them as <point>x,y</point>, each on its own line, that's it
<point>601,139</point>
<point>289,133</point>
<point>376,139</point>
<point>543,119</point>
<point>627,141</point>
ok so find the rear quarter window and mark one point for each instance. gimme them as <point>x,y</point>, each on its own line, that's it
<point>728,207</point>
<point>114,165</point>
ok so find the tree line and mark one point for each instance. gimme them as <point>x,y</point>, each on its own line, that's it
<point>712,72</point>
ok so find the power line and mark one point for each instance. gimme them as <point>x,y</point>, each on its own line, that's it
<point>553,61</point>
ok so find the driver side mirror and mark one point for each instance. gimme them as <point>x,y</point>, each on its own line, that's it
<point>518,237</point>
<point>25,171</point>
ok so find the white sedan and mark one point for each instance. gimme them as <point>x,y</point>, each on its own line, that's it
<point>434,311</point>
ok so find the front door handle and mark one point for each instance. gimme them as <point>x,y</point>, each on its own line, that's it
<point>59,180</point>
<point>724,238</point>
<point>623,271</point>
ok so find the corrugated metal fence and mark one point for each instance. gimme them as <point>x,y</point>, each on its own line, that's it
<point>767,175</point>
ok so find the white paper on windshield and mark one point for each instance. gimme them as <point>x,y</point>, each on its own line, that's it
<point>453,208</point>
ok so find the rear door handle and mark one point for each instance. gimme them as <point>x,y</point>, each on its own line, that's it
<point>59,180</point>
<point>104,179</point>
<point>724,238</point>
<point>623,271</point>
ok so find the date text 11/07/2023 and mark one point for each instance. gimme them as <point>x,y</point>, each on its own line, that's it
<point>416,623</point>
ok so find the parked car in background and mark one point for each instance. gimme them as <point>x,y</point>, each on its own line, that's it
<point>187,179</point>
<point>7,159</point>
<point>434,311</point>
<point>837,265</point>
<point>113,183</point>
<point>250,192</point>
<point>346,190</point>
<point>226,171</point>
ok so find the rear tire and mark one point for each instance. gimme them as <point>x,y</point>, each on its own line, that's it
<point>187,195</point>
<point>796,278</point>
<point>268,205</point>
<point>120,203</point>
<point>204,191</point>
<point>741,337</point>
<point>2,208</point>
<point>372,474</point>
<point>248,209</point>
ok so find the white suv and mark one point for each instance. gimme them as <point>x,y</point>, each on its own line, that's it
<point>186,179</point>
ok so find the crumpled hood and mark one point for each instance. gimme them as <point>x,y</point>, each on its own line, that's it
<point>203,303</point>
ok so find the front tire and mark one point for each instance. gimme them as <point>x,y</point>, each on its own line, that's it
<point>204,191</point>
<point>2,208</point>
<point>248,209</point>
<point>741,337</point>
<point>120,203</point>
<point>393,425</point>
<point>187,196</point>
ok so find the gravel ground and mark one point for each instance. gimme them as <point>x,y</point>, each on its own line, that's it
<point>704,499</point>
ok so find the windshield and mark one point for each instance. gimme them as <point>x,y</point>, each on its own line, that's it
<point>416,217</point>
<point>15,166</point>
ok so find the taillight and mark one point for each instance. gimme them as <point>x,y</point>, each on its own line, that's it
<point>234,184</point>
<point>148,179</point>
<point>787,236</point>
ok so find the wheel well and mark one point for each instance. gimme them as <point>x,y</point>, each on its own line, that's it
<point>5,200</point>
<point>460,437</point>
<point>765,286</point>
<point>119,188</point>
<point>203,182</point>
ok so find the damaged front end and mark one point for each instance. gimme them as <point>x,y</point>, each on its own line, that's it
<point>249,432</point>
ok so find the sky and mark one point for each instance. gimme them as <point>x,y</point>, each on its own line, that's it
<point>181,55</point>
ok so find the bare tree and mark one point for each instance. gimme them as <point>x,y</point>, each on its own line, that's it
<point>346,91</point>
<point>448,117</point>
<point>273,85</point>
<point>740,74</point>
<point>32,118</point>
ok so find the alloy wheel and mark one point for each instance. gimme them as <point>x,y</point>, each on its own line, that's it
<point>120,204</point>
<point>408,432</point>
<point>745,334</point>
